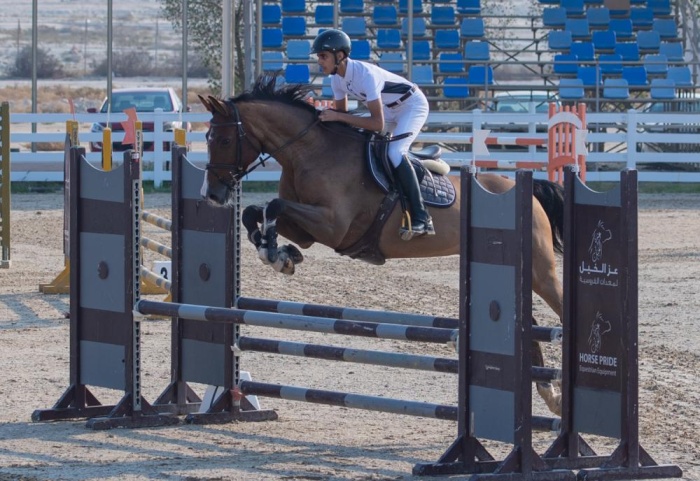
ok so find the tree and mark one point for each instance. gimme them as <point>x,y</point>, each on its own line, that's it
<point>205,23</point>
<point>47,66</point>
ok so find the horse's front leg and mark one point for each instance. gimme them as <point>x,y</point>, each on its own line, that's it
<point>300,223</point>
<point>282,258</point>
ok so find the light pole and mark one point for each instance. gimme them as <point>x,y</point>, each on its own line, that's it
<point>85,42</point>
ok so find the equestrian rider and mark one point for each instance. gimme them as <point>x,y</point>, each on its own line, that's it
<point>390,99</point>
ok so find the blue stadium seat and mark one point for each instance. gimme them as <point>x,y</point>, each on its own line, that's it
<point>565,64</point>
<point>352,6</point>
<point>272,61</point>
<point>475,51</point>
<point>392,61</point>
<point>360,49</point>
<point>472,28</point>
<point>324,15</point>
<point>422,75</point>
<point>642,17</point>
<point>298,49</point>
<point>578,27</point>
<point>636,76</point>
<point>663,89</point>
<point>272,37</point>
<point>574,8</point>
<point>548,2</point>
<point>297,74</point>
<point>629,51</point>
<point>421,50</point>
<point>610,64</point>
<point>293,26</point>
<point>681,76</point>
<point>622,28</point>
<point>385,15</point>
<point>598,17</point>
<point>649,41</point>
<point>554,17</point>
<point>417,6</point>
<point>656,65</point>
<point>447,39</point>
<point>589,75</point>
<point>455,87</point>
<point>666,27</point>
<point>661,8</point>
<point>326,89</point>
<point>480,75</point>
<point>571,89</point>
<point>559,40</point>
<point>441,16</point>
<point>672,50</point>
<point>469,7</point>
<point>419,27</point>
<point>604,41</point>
<point>449,62</point>
<point>596,3</point>
<point>294,6</point>
<point>616,89</point>
<point>271,14</point>
<point>584,51</point>
<point>388,38</point>
<point>354,26</point>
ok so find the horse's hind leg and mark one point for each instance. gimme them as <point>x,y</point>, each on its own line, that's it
<point>545,281</point>
<point>550,395</point>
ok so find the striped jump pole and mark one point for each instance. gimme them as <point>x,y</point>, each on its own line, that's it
<point>370,403</point>
<point>157,221</point>
<point>377,358</point>
<point>298,323</point>
<point>539,333</point>
<point>346,354</point>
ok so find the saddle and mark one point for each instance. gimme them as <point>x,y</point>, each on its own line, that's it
<point>436,189</point>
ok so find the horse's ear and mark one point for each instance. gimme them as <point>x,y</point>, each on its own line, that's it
<point>206,103</point>
<point>219,105</point>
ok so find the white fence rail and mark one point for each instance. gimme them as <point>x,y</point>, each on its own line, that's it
<point>615,140</point>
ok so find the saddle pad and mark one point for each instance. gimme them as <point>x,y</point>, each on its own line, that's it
<point>437,190</point>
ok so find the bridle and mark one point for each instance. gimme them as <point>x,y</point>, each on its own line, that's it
<point>237,171</point>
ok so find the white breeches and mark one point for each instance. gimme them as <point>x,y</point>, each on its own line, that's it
<point>410,116</point>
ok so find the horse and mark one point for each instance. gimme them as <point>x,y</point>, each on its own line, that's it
<point>327,196</point>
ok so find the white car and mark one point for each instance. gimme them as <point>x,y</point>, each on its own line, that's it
<point>146,99</point>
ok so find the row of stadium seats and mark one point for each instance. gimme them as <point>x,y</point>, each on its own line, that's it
<point>295,7</point>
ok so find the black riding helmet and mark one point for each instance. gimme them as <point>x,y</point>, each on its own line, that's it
<point>332,40</point>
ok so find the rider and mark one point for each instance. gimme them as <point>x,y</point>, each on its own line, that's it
<point>389,98</point>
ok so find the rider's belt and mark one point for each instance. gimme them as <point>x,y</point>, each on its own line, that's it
<point>402,99</point>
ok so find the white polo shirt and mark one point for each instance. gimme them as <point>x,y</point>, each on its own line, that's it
<point>366,82</point>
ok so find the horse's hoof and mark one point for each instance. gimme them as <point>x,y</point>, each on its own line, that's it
<point>266,256</point>
<point>294,254</point>
<point>284,265</point>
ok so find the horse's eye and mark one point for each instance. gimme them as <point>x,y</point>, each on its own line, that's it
<point>226,141</point>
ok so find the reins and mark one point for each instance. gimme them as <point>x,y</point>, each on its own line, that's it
<point>242,135</point>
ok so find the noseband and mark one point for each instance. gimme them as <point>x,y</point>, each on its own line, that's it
<point>237,172</point>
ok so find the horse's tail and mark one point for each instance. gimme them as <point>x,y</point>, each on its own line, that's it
<point>551,196</point>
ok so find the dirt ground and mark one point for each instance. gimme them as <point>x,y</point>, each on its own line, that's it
<point>315,442</point>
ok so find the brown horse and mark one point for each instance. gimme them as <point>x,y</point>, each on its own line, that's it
<point>326,194</point>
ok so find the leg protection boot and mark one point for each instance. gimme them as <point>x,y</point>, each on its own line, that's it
<point>421,222</point>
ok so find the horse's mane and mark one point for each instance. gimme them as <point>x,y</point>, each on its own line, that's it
<point>266,88</point>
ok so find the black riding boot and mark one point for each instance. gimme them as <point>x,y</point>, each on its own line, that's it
<point>421,222</point>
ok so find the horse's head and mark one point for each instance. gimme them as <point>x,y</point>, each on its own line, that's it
<point>235,143</point>
<point>230,151</point>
